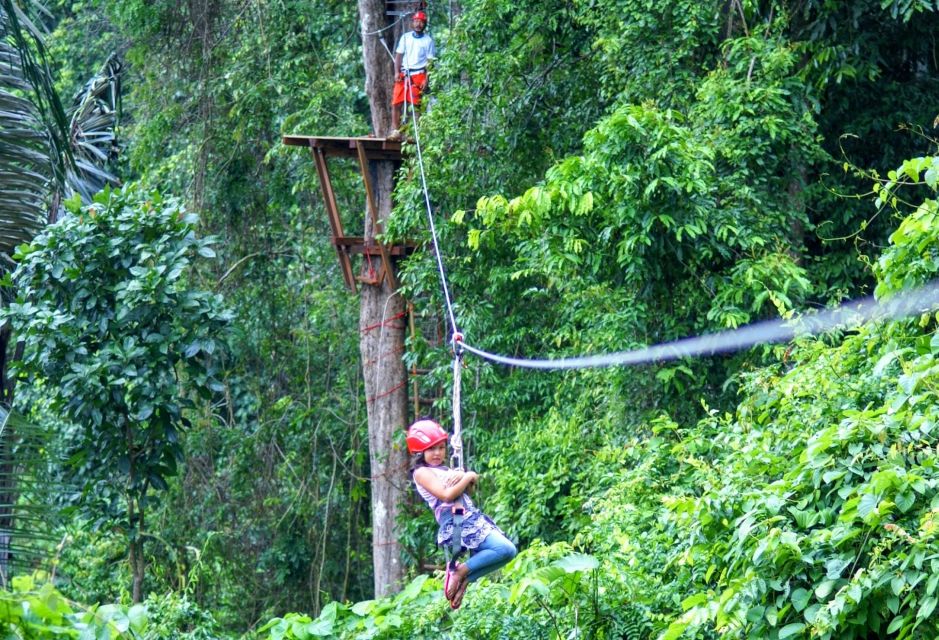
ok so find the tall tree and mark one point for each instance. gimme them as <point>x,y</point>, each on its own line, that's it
<point>382,336</point>
<point>46,154</point>
<point>111,322</point>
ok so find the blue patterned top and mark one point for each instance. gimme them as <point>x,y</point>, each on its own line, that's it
<point>476,524</point>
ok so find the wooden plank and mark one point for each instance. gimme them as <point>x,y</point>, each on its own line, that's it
<point>355,245</point>
<point>332,212</point>
<point>373,213</point>
<point>375,148</point>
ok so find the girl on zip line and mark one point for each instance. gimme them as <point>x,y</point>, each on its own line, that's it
<point>443,489</point>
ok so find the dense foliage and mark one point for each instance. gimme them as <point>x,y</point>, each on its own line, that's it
<point>808,510</point>
<point>605,175</point>
<point>33,610</point>
<point>112,329</point>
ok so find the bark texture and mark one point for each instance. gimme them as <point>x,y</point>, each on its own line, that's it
<point>382,325</point>
<point>379,65</point>
<point>382,322</point>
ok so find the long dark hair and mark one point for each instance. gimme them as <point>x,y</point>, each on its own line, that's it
<point>417,461</point>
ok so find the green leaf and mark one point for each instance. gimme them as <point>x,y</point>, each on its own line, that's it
<point>895,624</point>
<point>578,562</point>
<point>137,615</point>
<point>868,505</point>
<point>800,599</point>
<point>363,608</point>
<point>322,627</point>
<point>414,588</point>
<point>896,584</point>
<point>926,608</point>
<point>824,589</point>
<point>693,601</point>
<point>674,631</point>
<point>791,630</point>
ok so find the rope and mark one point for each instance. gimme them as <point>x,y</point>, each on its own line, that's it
<point>383,29</point>
<point>386,322</point>
<point>456,440</point>
<point>430,214</point>
<point>850,314</point>
<point>386,393</point>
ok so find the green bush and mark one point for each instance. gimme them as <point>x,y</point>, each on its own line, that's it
<point>174,616</point>
<point>34,610</point>
<point>548,591</point>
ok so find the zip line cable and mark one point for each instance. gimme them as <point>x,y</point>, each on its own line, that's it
<point>456,440</point>
<point>430,214</point>
<point>850,314</point>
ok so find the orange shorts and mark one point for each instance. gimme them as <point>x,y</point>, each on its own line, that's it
<point>416,85</point>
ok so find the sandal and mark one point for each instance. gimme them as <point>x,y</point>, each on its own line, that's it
<point>457,599</point>
<point>446,584</point>
<point>453,582</point>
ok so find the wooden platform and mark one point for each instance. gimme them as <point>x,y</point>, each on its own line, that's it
<point>365,149</point>
<point>375,148</point>
<point>403,7</point>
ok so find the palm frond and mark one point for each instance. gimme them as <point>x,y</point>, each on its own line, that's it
<point>46,153</point>
<point>93,119</point>
<point>28,158</point>
<point>28,508</point>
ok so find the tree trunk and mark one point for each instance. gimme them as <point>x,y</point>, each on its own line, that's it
<point>386,392</point>
<point>382,324</point>
<point>135,548</point>
<point>379,66</point>
<point>134,522</point>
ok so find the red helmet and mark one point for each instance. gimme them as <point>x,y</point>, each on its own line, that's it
<point>424,434</point>
<point>420,15</point>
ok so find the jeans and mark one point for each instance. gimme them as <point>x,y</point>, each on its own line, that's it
<point>494,553</point>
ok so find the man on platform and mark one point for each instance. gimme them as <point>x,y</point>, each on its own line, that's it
<point>414,51</point>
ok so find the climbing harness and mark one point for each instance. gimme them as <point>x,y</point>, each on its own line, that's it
<point>452,551</point>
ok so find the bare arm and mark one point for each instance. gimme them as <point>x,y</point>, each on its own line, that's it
<point>448,491</point>
<point>398,58</point>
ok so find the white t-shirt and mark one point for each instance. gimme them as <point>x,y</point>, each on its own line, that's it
<point>415,50</point>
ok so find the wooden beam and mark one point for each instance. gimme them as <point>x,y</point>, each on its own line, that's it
<point>375,148</point>
<point>373,213</point>
<point>356,245</point>
<point>332,212</point>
